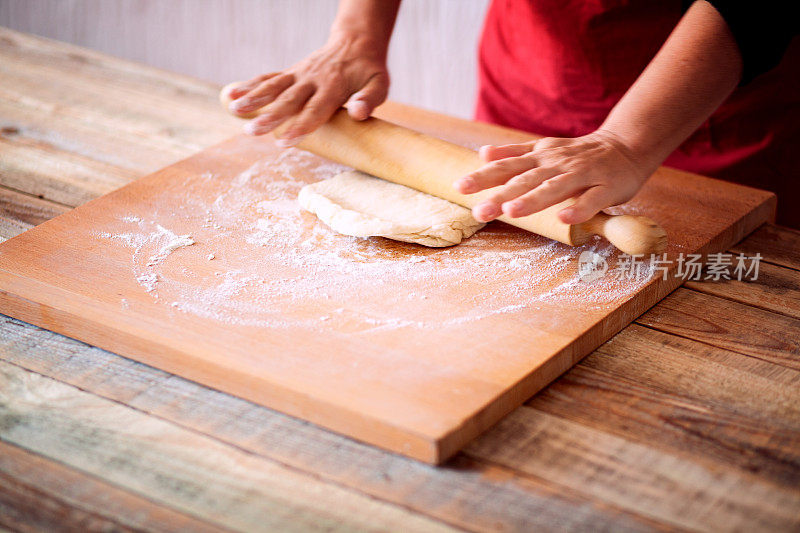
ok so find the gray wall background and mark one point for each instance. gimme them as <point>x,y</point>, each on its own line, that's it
<point>432,58</point>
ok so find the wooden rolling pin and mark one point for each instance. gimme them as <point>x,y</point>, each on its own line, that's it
<point>431,165</point>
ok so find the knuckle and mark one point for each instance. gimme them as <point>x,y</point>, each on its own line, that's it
<point>525,180</point>
<point>503,165</point>
<point>550,185</point>
<point>532,158</point>
<point>547,142</point>
<point>497,198</point>
<point>293,94</point>
<point>313,109</point>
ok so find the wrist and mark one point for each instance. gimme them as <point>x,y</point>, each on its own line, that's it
<point>360,41</point>
<point>641,155</point>
<point>638,144</point>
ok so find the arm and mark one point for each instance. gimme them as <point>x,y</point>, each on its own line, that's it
<point>694,72</point>
<point>350,70</point>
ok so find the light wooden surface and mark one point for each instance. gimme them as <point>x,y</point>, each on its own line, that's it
<point>686,420</point>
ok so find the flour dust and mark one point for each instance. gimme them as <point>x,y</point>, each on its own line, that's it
<point>238,250</point>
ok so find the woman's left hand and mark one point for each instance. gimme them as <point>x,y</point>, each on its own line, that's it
<point>597,169</point>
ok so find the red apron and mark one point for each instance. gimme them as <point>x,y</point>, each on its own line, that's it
<point>557,67</point>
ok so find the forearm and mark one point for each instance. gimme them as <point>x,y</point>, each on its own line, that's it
<point>694,72</point>
<point>368,20</point>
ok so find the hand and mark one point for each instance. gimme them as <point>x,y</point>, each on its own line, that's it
<point>349,71</point>
<point>597,169</point>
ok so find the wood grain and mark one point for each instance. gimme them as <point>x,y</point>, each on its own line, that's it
<point>728,324</point>
<point>775,290</point>
<point>28,209</point>
<point>468,493</point>
<point>178,468</point>
<point>20,212</point>
<point>686,398</point>
<point>37,494</point>
<point>76,125</point>
<point>11,227</point>
<point>549,447</point>
<point>776,244</point>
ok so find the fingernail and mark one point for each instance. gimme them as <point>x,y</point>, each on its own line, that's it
<point>259,126</point>
<point>510,208</point>
<point>487,211</point>
<point>358,107</point>
<point>237,105</point>
<point>288,142</point>
<point>566,215</point>
<point>465,184</point>
<point>482,151</point>
<point>255,128</point>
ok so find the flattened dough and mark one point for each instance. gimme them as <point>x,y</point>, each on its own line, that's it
<point>357,204</point>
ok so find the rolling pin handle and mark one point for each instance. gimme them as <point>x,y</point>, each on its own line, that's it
<point>633,235</point>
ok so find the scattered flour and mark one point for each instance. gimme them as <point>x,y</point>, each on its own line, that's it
<point>275,266</point>
<point>151,236</point>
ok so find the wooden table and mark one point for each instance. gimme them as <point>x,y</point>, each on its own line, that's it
<point>689,419</point>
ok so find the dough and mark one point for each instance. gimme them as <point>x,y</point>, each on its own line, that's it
<point>357,204</point>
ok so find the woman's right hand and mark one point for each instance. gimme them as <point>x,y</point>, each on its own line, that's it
<point>350,70</point>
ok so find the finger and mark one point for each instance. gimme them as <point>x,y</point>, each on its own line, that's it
<point>287,104</point>
<point>494,174</point>
<point>493,206</point>
<point>588,204</point>
<point>492,153</point>
<point>239,90</point>
<point>316,112</point>
<point>551,191</point>
<point>361,104</point>
<point>265,93</point>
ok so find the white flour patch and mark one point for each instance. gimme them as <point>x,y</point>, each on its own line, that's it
<point>259,261</point>
<point>151,238</point>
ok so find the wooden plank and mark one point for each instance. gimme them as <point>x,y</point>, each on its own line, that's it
<point>139,128</point>
<point>776,244</point>
<point>77,123</point>
<point>426,406</point>
<point>777,289</point>
<point>10,227</point>
<point>65,128</point>
<point>26,208</point>
<point>178,468</point>
<point>39,169</point>
<point>666,487</point>
<point>466,493</point>
<point>98,85</point>
<point>729,325</point>
<point>711,406</point>
<point>41,495</point>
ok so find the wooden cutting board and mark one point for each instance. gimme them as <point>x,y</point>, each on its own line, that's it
<point>208,269</point>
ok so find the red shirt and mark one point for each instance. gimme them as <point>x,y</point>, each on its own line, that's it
<point>557,67</point>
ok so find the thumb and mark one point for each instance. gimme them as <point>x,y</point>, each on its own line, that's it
<point>361,104</point>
